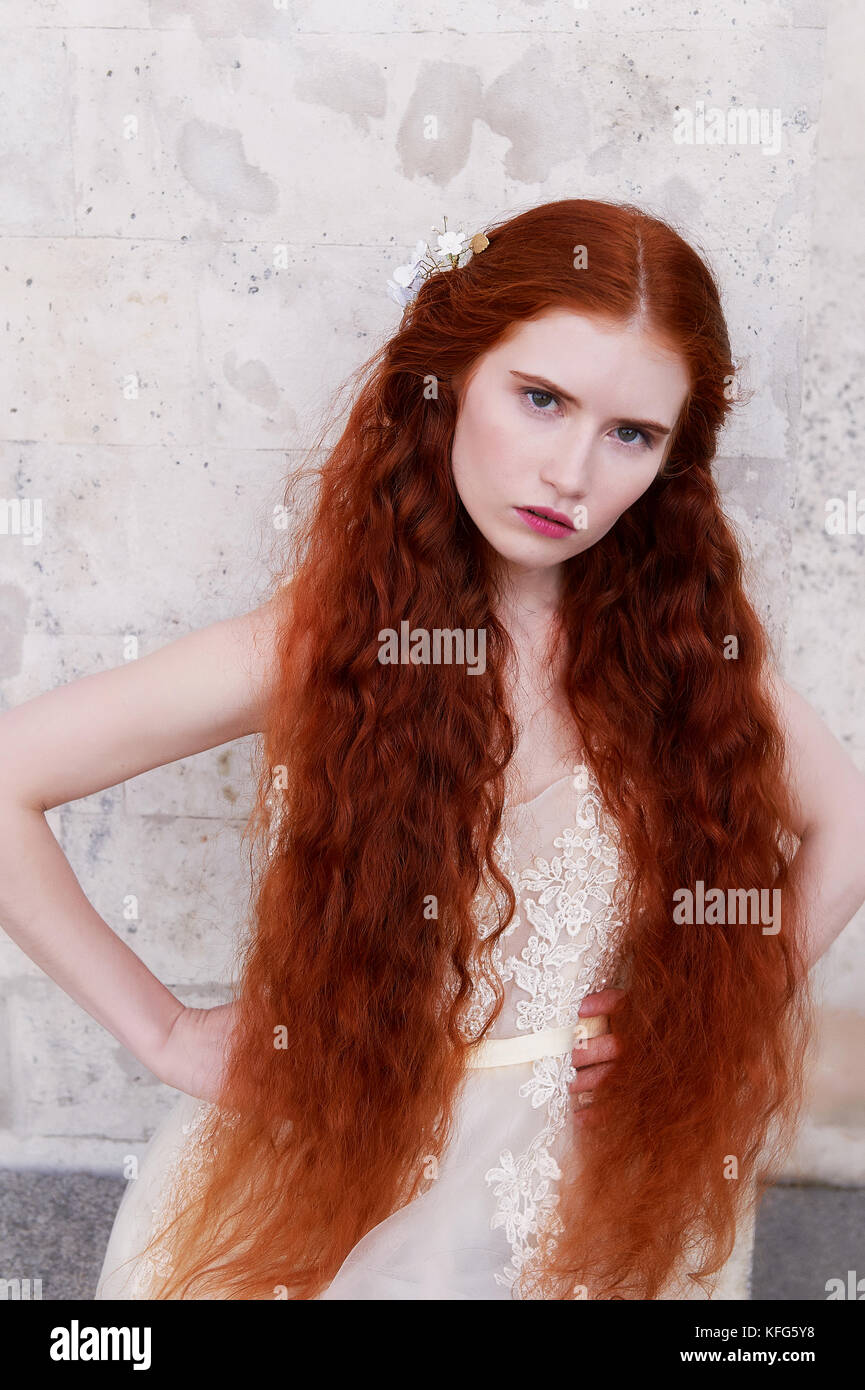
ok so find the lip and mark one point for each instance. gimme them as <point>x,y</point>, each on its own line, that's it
<point>545,520</point>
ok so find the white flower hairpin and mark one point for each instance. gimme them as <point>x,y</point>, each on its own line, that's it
<point>452,251</point>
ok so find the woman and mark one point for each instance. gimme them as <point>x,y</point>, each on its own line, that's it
<point>456,852</point>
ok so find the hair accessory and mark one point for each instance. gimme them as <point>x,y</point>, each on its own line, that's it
<point>453,250</point>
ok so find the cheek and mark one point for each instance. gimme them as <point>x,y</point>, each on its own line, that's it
<point>622,490</point>
<point>484,451</point>
<point>636,476</point>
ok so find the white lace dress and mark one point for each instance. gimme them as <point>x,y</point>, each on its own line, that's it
<point>467,1235</point>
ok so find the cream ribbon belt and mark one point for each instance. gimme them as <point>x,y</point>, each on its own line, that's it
<point>528,1047</point>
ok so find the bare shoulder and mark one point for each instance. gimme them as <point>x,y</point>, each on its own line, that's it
<point>209,687</point>
<point>827,783</point>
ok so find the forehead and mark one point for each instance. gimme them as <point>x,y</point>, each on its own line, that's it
<point>586,355</point>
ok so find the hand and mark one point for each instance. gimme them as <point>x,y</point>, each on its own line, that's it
<point>192,1058</point>
<point>594,1057</point>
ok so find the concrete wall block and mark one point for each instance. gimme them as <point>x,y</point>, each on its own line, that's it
<point>173,888</point>
<point>184,518</point>
<point>281,20</point>
<point>37,187</point>
<point>70,1076</point>
<point>5,1065</point>
<point>212,169</point>
<point>71,14</point>
<point>840,971</point>
<point>105,333</point>
<point>80,1098</point>
<point>212,785</point>
<point>838,1097</point>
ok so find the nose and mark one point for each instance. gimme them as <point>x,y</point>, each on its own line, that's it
<point>569,467</point>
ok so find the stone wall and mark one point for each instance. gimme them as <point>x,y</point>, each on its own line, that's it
<point>199,208</point>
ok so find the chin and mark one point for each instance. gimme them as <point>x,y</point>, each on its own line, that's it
<point>586,541</point>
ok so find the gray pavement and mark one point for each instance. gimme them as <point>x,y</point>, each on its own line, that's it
<point>805,1236</point>
<point>55,1227</point>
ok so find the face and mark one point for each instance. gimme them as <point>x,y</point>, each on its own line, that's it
<point>569,415</point>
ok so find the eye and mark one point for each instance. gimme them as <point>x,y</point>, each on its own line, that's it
<point>647,441</point>
<point>530,391</point>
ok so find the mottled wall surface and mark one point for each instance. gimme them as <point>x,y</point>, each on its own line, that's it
<point>199,208</point>
<point>825,634</point>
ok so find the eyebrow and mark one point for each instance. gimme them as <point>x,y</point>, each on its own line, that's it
<point>554,390</point>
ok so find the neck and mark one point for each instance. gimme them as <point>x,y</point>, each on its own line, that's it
<point>530,598</point>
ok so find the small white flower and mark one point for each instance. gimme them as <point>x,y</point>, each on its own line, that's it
<point>407,279</point>
<point>404,274</point>
<point>402,295</point>
<point>451,243</point>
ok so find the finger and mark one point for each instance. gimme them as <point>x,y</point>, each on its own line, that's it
<point>589,1077</point>
<point>583,1110</point>
<point>595,1026</point>
<point>604,1001</point>
<point>600,1049</point>
<point>595,1050</point>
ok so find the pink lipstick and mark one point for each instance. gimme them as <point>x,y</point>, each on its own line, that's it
<point>545,520</point>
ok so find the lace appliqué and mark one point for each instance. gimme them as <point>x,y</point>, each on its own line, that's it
<point>572,912</point>
<point>524,1186</point>
<point>154,1264</point>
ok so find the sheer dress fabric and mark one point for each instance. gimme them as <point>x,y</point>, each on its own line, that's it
<point>467,1235</point>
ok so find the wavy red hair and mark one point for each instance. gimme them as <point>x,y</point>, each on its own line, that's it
<point>393,790</point>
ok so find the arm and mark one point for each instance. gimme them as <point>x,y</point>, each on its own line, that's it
<point>829,864</point>
<point>203,690</point>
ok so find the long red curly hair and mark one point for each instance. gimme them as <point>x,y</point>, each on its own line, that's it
<point>380,785</point>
